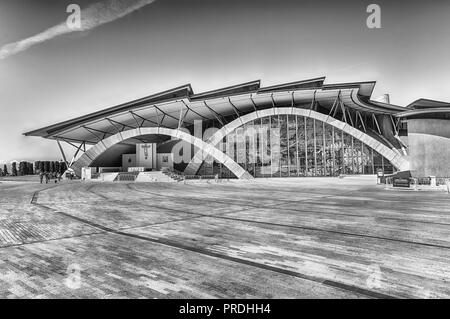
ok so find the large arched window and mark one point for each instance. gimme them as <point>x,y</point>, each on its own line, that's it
<point>295,146</point>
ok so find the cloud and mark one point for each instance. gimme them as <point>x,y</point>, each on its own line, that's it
<point>93,16</point>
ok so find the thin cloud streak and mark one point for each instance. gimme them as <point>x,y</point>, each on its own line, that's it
<point>93,16</point>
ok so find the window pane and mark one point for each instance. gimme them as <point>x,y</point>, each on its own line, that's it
<point>301,145</point>
<point>275,145</point>
<point>319,148</point>
<point>284,150</point>
<point>310,163</point>
<point>292,141</point>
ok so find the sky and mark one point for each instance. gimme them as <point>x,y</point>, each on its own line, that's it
<point>130,49</point>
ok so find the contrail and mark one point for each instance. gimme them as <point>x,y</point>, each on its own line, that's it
<point>93,16</point>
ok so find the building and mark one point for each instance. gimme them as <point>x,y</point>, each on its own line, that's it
<point>304,128</point>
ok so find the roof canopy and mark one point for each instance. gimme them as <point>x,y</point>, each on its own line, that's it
<point>181,106</point>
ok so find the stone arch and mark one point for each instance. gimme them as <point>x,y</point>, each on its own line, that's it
<point>394,157</point>
<point>90,155</point>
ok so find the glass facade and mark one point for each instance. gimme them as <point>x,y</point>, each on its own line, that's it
<point>295,146</point>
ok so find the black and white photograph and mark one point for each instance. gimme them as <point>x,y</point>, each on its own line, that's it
<point>236,151</point>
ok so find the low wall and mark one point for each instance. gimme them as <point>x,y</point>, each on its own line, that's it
<point>108,177</point>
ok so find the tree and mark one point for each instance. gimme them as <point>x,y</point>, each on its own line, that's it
<point>62,167</point>
<point>41,167</point>
<point>22,169</point>
<point>30,169</point>
<point>25,169</point>
<point>5,170</point>
<point>37,166</point>
<point>52,167</point>
<point>46,167</point>
<point>57,169</point>
<point>14,169</point>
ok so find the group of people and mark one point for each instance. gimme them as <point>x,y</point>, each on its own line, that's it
<point>49,176</point>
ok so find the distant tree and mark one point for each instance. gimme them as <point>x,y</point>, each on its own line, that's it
<point>41,167</point>
<point>37,166</point>
<point>52,167</point>
<point>47,167</point>
<point>22,169</point>
<point>5,170</point>
<point>14,169</point>
<point>62,167</point>
<point>30,169</point>
<point>57,167</point>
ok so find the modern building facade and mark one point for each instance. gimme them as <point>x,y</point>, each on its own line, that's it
<point>304,128</point>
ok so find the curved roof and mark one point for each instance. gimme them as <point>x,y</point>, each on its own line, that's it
<point>181,106</point>
<point>426,108</point>
<point>427,103</point>
<point>439,112</point>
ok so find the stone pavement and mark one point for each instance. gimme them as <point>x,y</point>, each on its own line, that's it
<point>268,238</point>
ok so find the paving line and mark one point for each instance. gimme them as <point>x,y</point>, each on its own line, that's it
<point>166,242</point>
<point>292,209</point>
<point>49,240</point>
<point>293,226</point>
<point>161,223</point>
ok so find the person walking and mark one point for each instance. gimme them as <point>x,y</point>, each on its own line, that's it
<point>41,177</point>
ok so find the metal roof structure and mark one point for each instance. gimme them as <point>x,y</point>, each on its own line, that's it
<point>425,108</point>
<point>180,107</point>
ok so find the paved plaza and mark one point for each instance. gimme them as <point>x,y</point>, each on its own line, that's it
<point>267,238</point>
